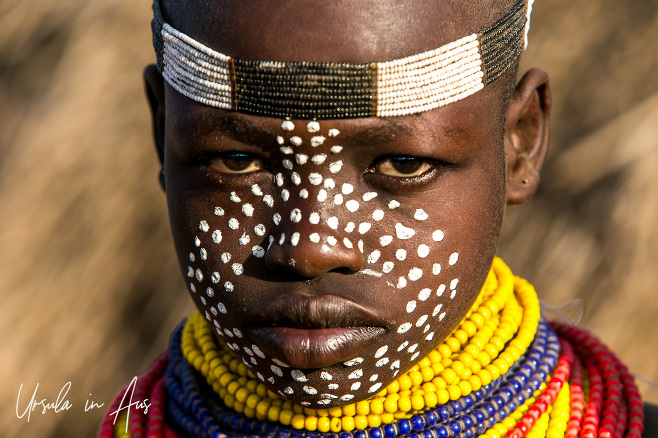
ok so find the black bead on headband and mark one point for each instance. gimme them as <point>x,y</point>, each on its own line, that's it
<point>313,90</point>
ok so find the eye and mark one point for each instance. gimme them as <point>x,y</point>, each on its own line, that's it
<point>402,167</point>
<point>236,163</point>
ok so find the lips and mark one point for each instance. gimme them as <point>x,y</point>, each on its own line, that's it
<point>314,331</point>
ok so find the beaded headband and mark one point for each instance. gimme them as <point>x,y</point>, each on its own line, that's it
<point>315,90</point>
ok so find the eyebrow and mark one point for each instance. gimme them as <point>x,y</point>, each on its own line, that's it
<point>242,130</point>
<point>383,132</point>
<point>389,129</point>
<point>247,131</point>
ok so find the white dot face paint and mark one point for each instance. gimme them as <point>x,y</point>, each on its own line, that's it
<point>295,178</point>
<point>404,328</point>
<point>244,240</point>
<point>313,126</point>
<point>352,205</point>
<point>248,210</point>
<point>333,222</point>
<point>336,166</point>
<point>319,159</point>
<point>420,215</point>
<point>315,178</point>
<point>296,215</point>
<point>313,204</point>
<point>314,218</point>
<point>425,294</point>
<point>385,240</point>
<point>415,274</point>
<point>374,256</point>
<point>268,200</point>
<point>294,240</point>
<point>317,140</point>
<point>403,232</point>
<point>258,252</point>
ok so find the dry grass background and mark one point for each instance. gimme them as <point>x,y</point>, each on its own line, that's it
<point>90,288</point>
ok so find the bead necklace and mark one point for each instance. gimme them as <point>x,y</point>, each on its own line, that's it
<point>572,386</point>
<point>447,373</point>
<point>455,417</point>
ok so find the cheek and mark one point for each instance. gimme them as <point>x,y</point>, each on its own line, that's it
<point>408,265</point>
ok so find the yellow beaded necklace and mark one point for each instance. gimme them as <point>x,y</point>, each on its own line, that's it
<point>495,333</point>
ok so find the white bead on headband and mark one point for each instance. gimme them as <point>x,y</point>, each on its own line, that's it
<point>311,90</point>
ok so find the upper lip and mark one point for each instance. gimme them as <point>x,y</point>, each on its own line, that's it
<point>313,312</point>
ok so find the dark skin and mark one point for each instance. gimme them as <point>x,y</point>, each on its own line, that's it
<point>449,172</point>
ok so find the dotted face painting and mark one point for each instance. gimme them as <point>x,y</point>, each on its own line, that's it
<point>326,284</point>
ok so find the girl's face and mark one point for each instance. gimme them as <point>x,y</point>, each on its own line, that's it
<point>331,256</point>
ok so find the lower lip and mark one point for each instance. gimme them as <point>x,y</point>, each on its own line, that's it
<point>316,348</point>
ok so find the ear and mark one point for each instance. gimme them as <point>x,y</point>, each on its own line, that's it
<point>526,135</point>
<point>154,84</point>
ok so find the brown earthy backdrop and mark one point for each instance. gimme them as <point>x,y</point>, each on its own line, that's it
<point>90,288</point>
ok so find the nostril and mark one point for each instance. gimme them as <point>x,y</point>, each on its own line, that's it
<point>345,270</point>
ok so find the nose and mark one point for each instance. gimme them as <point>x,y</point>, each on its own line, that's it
<point>313,250</point>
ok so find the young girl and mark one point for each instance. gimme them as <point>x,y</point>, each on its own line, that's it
<point>336,176</point>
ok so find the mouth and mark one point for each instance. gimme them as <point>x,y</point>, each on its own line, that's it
<point>315,331</point>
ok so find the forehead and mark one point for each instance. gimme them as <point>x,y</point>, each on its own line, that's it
<point>354,31</point>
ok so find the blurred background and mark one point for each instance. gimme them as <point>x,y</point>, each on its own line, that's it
<point>89,285</point>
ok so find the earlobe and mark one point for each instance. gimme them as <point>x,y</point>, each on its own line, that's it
<point>526,135</point>
<point>154,84</point>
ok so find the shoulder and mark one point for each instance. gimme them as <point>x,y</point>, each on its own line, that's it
<point>650,421</point>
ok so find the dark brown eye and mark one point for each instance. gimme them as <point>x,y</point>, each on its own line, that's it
<point>236,164</point>
<point>402,167</point>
